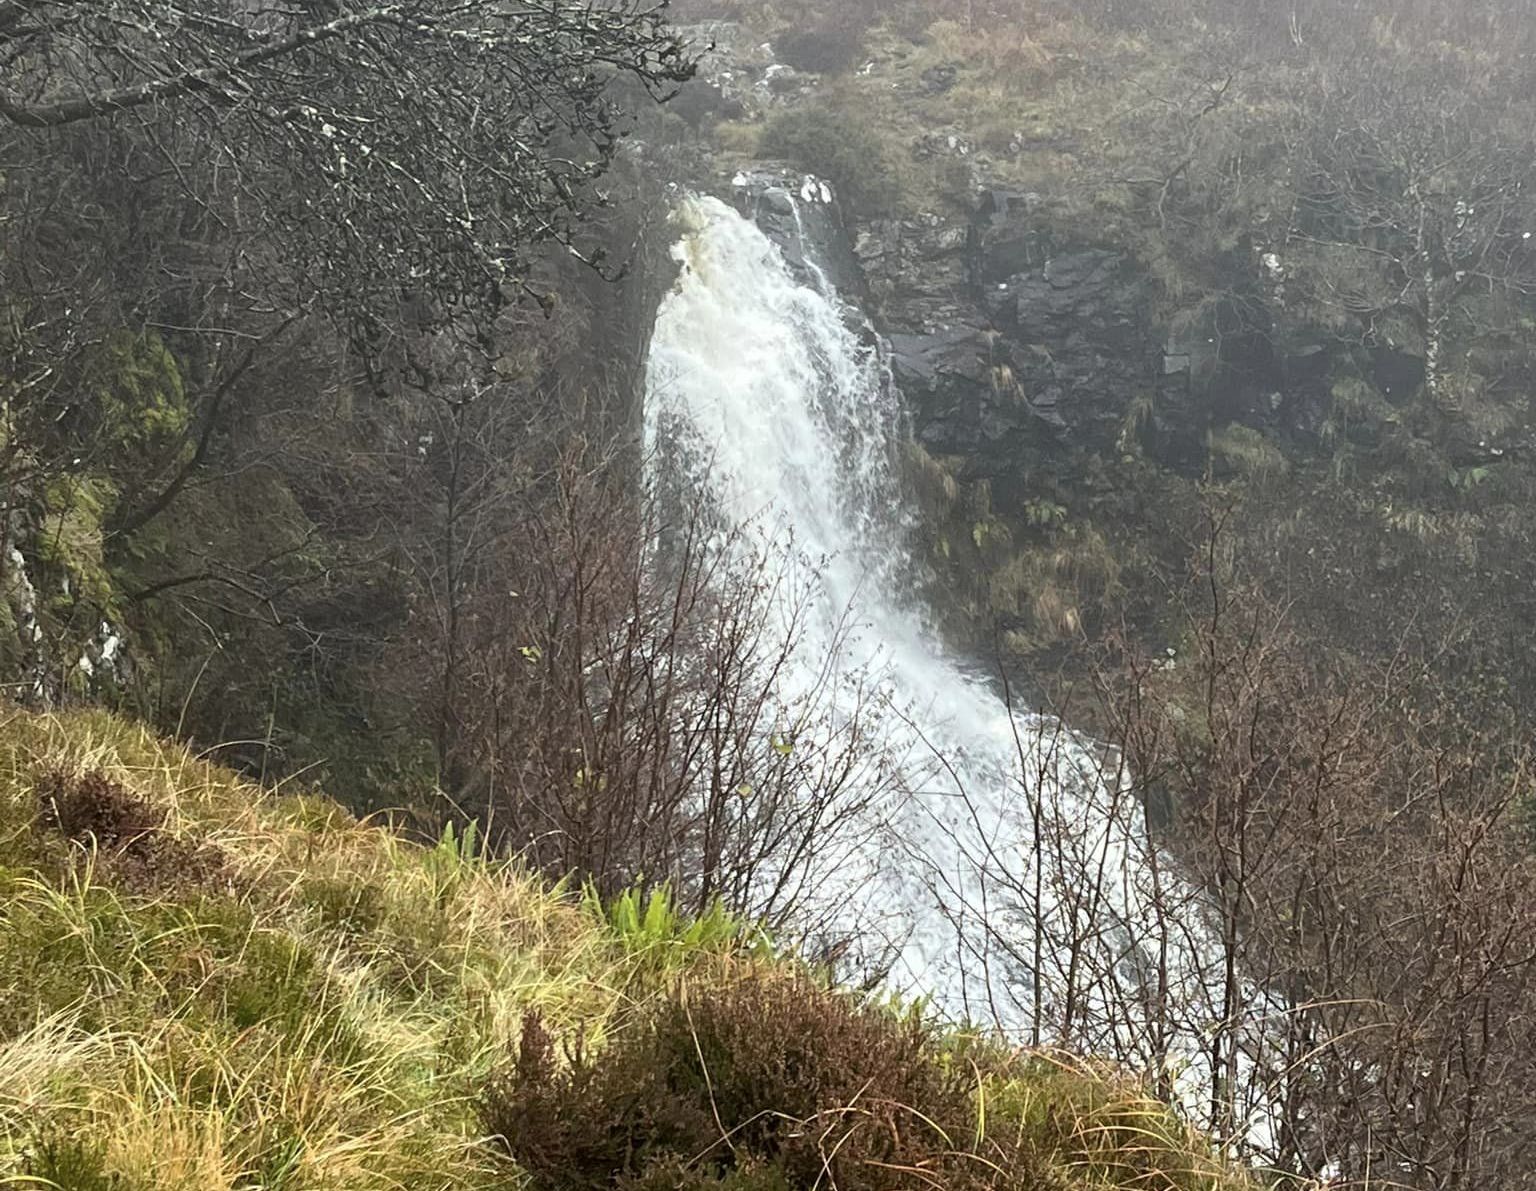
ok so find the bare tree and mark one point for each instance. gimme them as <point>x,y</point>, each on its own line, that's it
<point>201,200</point>
<point>418,146</point>
<point>623,692</point>
<point>1295,895</point>
<point>1415,218</point>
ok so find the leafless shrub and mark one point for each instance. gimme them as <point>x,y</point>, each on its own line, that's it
<point>1327,952</point>
<point>621,693</point>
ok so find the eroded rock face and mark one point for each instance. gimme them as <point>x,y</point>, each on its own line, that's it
<point>1018,351</point>
<point>1010,349</point>
<point>802,214</point>
<point>1030,359</point>
<point>1015,351</point>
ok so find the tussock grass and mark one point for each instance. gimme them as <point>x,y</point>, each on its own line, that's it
<point>326,1006</point>
<point>323,1017</point>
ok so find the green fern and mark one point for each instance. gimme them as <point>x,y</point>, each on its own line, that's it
<point>649,923</point>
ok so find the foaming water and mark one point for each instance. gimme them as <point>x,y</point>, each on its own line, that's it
<point>1004,864</point>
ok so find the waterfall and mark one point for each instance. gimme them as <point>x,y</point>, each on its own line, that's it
<point>1006,864</point>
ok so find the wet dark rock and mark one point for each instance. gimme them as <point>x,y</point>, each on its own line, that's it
<point>1022,352</point>
<point>781,80</point>
<point>802,215</point>
<point>918,273</point>
<point>700,103</point>
<point>774,201</point>
<point>1006,348</point>
<point>1030,358</point>
<point>942,143</point>
<point>1008,241</point>
<point>1398,374</point>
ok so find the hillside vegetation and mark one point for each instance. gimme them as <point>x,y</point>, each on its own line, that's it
<point>203,985</point>
<point>1322,217</point>
<point>1226,313</point>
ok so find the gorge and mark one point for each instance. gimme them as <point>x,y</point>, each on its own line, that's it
<point>767,595</point>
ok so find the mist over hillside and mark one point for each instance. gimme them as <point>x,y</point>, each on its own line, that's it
<point>1023,504</point>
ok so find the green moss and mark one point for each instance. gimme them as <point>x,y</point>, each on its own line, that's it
<point>11,647</point>
<point>139,396</point>
<point>70,539</point>
<point>306,708</point>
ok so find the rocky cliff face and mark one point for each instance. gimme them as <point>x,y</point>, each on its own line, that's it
<point>1020,349</point>
<point>804,216</point>
<point>1068,400</point>
<point>1010,349</point>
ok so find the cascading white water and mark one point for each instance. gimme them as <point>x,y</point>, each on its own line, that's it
<point>1015,884</point>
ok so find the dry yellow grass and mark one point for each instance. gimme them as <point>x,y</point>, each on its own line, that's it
<point>138,1054</point>
<point>322,1011</point>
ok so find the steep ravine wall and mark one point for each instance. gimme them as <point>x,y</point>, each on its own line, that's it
<point>1065,406</point>
<point>1087,384</point>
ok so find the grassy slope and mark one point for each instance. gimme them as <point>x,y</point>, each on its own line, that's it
<point>292,999</point>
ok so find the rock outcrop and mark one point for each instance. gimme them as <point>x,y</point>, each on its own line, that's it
<point>803,215</point>
<point>1010,348</point>
<point>740,77</point>
<point>1020,349</point>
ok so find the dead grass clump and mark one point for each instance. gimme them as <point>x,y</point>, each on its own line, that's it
<point>128,834</point>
